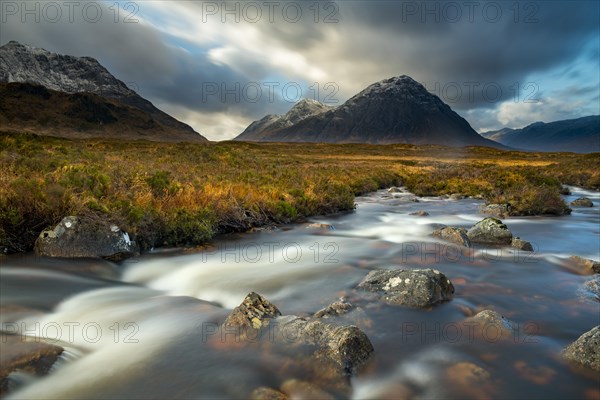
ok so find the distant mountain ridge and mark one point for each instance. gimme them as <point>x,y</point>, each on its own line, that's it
<point>272,123</point>
<point>394,110</point>
<point>75,75</point>
<point>580,135</point>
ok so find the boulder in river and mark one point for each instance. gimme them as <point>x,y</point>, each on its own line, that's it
<point>585,350</point>
<point>591,289</point>
<point>16,353</point>
<point>490,231</point>
<point>586,264</point>
<point>74,237</point>
<point>394,189</point>
<point>582,202</point>
<point>420,213</point>
<point>345,347</point>
<point>496,210</point>
<point>317,225</point>
<point>417,288</point>
<point>457,196</point>
<point>254,312</point>
<point>521,244</point>
<point>453,235</point>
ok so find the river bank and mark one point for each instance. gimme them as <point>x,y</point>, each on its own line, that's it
<point>180,194</point>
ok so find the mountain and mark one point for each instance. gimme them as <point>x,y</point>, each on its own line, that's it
<point>271,123</point>
<point>581,135</point>
<point>395,110</point>
<point>75,76</point>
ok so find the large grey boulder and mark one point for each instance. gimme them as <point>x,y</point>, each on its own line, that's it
<point>417,288</point>
<point>585,350</point>
<point>453,235</point>
<point>74,237</point>
<point>490,231</point>
<point>345,346</point>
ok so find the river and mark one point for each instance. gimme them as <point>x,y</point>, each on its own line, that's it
<point>140,329</point>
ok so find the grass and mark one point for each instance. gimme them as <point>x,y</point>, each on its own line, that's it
<point>177,194</point>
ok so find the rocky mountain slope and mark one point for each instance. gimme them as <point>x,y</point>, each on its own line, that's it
<point>77,75</point>
<point>581,135</point>
<point>272,123</point>
<point>395,110</point>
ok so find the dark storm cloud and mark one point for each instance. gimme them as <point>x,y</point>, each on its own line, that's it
<point>490,43</point>
<point>476,53</point>
<point>138,54</point>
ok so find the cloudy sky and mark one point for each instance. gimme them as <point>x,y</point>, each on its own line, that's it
<point>220,65</point>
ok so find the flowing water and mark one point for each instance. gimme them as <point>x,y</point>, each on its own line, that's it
<point>144,329</point>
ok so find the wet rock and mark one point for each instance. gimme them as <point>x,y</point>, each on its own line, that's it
<point>320,226</point>
<point>394,189</point>
<point>346,346</point>
<point>420,213</point>
<point>591,289</point>
<point>16,354</point>
<point>265,393</point>
<point>496,210</point>
<point>585,350</point>
<point>77,238</point>
<point>456,196</point>
<point>415,288</point>
<point>453,235</point>
<point>490,231</point>
<point>538,375</point>
<point>490,326</point>
<point>487,317</point>
<point>470,379</point>
<point>586,264</point>
<point>297,389</point>
<point>254,312</point>
<point>582,202</point>
<point>337,308</point>
<point>521,244</point>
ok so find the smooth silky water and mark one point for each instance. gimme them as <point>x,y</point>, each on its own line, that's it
<point>144,329</point>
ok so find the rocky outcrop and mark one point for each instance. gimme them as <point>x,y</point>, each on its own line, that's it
<point>17,354</point>
<point>453,235</point>
<point>81,238</point>
<point>255,312</point>
<point>417,288</point>
<point>585,350</point>
<point>521,244</point>
<point>335,351</point>
<point>582,202</point>
<point>490,231</point>
<point>496,210</point>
